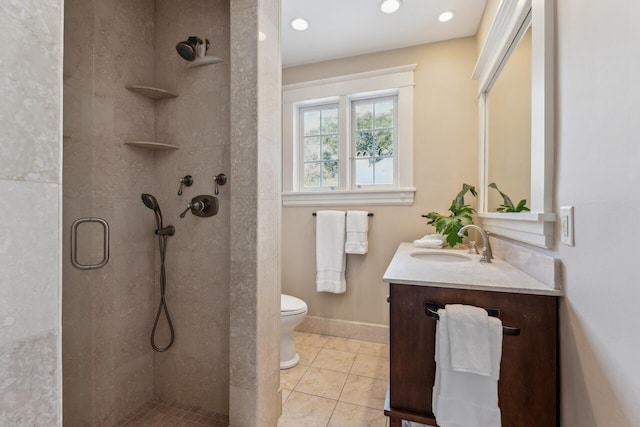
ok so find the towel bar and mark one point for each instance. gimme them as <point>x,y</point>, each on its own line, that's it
<point>369,214</point>
<point>431,310</point>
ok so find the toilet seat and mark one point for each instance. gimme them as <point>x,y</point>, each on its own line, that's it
<point>290,305</point>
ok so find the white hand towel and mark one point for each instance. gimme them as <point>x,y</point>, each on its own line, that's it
<point>469,339</point>
<point>357,228</point>
<point>330,255</point>
<point>462,399</point>
<point>431,241</point>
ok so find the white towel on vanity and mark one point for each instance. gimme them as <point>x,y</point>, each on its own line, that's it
<point>462,399</point>
<point>431,241</point>
<point>330,255</point>
<point>357,228</point>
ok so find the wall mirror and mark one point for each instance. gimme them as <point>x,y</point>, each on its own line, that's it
<point>515,76</point>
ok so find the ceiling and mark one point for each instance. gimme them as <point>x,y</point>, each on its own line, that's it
<point>343,28</point>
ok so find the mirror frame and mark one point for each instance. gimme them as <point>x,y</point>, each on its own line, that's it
<point>535,227</point>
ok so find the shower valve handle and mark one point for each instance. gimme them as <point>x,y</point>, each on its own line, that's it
<point>220,179</point>
<point>202,206</point>
<point>185,181</point>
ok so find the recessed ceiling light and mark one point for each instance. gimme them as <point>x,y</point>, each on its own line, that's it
<point>299,24</point>
<point>390,6</point>
<point>446,16</point>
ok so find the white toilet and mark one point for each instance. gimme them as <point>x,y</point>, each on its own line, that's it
<point>292,312</point>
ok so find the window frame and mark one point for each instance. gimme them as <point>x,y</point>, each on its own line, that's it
<point>345,90</point>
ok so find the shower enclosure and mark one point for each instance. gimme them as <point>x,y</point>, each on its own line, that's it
<point>110,159</point>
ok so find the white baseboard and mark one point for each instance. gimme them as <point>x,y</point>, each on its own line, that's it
<point>345,329</point>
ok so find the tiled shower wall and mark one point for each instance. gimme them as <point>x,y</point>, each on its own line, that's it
<point>110,368</point>
<point>255,160</point>
<point>107,313</point>
<point>30,108</point>
<point>196,370</point>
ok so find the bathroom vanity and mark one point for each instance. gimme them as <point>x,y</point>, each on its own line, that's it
<point>527,388</point>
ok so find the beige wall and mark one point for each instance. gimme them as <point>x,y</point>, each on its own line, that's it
<point>30,191</point>
<point>597,156</point>
<point>445,124</point>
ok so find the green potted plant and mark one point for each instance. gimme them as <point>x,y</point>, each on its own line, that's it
<point>461,215</point>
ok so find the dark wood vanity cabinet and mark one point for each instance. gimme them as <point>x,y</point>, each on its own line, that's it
<point>528,385</point>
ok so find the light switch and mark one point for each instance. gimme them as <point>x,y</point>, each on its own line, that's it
<point>566,225</point>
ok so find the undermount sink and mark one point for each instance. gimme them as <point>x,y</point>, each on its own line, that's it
<point>440,257</point>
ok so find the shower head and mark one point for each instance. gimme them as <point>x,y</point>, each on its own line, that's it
<point>188,49</point>
<point>151,202</point>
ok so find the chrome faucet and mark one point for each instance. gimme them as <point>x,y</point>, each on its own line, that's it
<point>486,254</point>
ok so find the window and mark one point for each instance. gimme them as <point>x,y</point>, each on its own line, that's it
<point>349,140</point>
<point>319,146</point>
<point>374,140</point>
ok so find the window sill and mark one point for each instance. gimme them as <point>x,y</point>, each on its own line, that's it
<point>395,196</point>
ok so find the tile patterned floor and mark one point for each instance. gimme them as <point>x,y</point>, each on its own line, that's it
<point>339,382</point>
<point>160,414</point>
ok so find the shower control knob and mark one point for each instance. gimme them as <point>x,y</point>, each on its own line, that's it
<point>220,179</point>
<point>203,206</point>
<point>185,181</point>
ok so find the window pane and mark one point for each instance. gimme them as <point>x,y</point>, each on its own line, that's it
<point>365,144</point>
<point>330,120</point>
<point>311,122</point>
<point>311,148</point>
<point>330,148</point>
<point>330,174</point>
<point>384,142</point>
<point>364,172</point>
<point>364,116</point>
<point>384,114</point>
<point>384,171</point>
<point>312,174</point>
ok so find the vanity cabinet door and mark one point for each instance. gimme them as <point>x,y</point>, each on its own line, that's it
<point>527,388</point>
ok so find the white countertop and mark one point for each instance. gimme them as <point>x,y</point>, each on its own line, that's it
<point>498,276</point>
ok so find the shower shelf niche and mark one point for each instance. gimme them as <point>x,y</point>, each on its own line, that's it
<point>152,92</point>
<point>205,60</point>
<point>152,145</point>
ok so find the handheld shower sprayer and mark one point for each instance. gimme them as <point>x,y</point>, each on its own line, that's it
<point>152,203</point>
<point>163,233</point>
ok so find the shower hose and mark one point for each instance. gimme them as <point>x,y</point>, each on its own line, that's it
<point>163,303</point>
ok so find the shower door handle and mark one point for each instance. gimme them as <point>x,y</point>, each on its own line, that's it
<point>74,243</point>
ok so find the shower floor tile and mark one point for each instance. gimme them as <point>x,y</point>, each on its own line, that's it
<point>162,414</point>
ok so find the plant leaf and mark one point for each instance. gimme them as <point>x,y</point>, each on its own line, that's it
<point>508,204</point>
